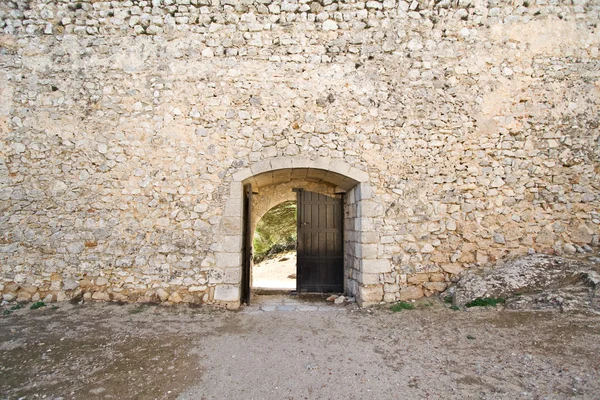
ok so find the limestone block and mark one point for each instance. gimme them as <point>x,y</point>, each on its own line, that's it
<point>233,209</point>
<point>302,162</point>
<point>411,293</point>
<point>427,248</point>
<point>29,289</point>
<point>376,266</point>
<point>281,163</point>
<point>231,226</point>
<point>370,294</point>
<point>70,284</point>
<point>76,247</point>
<point>9,296</point>
<point>232,244</point>
<point>370,209</point>
<point>439,258</point>
<point>119,297</point>
<point>162,294</point>
<point>236,191</point>
<point>545,237</point>
<point>391,288</point>
<point>101,296</point>
<point>370,251</point>
<point>363,191</point>
<point>582,234</point>
<point>260,167</point>
<point>481,257</point>
<point>435,286</point>
<point>389,297</point>
<point>330,25</point>
<point>55,285</point>
<point>226,260</point>
<point>466,257</point>
<point>175,297</point>
<point>227,293</point>
<point>101,281</point>
<point>368,279</point>
<point>451,225</point>
<point>23,296</point>
<point>369,237</point>
<point>418,279</point>
<point>233,275</point>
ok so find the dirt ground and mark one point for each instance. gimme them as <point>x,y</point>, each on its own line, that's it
<point>133,351</point>
<point>275,273</point>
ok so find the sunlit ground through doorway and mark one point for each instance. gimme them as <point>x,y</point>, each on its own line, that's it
<point>276,273</point>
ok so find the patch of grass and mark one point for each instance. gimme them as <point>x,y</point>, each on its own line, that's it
<point>12,309</point>
<point>448,299</point>
<point>484,302</point>
<point>455,308</point>
<point>37,304</point>
<point>403,305</point>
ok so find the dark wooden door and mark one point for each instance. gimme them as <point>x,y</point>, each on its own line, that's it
<point>247,245</point>
<point>320,265</point>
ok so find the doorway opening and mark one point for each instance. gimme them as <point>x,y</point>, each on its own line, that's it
<point>333,194</point>
<point>274,244</point>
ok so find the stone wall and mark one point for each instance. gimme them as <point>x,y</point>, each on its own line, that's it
<point>123,124</point>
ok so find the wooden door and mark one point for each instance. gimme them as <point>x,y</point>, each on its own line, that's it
<point>247,245</point>
<point>320,265</point>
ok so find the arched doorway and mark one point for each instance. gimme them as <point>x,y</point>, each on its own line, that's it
<point>320,195</point>
<point>272,181</point>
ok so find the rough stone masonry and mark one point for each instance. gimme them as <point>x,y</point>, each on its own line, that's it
<point>127,129</point>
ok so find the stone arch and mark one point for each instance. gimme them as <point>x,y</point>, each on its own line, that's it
<point>362,264</point>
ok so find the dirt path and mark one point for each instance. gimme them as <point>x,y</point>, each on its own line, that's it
<point>275,273</point>
<point>109,351</point>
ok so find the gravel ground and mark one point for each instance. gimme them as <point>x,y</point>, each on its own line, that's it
<point>133,351</point>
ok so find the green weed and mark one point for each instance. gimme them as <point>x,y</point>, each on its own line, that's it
<point>37,304</point>
<point>403,305</point>
<point>484,302</point>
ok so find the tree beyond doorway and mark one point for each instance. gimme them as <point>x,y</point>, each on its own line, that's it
<point>274,245</point>
<point>275,232</point>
